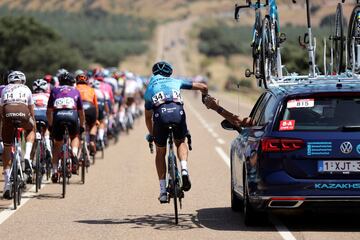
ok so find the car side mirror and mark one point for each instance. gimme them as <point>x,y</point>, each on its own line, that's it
<point>225,124</point>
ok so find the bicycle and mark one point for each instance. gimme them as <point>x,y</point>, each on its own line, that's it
<point>265,42</point>
<point>353,38</point>
<point>173,177</point>
<point>65,162</point>
<point>42,160</point>
<point>84,160</point>
<point>16,172</point>
<point>256,38</point>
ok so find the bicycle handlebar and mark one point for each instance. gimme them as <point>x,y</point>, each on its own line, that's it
<point>151,143</point>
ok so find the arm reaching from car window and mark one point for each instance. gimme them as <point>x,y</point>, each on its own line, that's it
<point>212,103</point>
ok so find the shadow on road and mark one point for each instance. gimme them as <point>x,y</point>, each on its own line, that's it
<point>47,196</point>
<point>224,219</point>
<point>336,220</point>
<point>158,221</point>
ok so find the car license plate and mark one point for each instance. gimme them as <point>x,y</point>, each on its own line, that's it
<point>339,166</point>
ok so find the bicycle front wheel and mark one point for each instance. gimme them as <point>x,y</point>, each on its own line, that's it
<point>265,52</point>
<point>338,40</point>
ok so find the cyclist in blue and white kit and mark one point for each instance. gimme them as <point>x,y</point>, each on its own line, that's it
<point>163,106</point>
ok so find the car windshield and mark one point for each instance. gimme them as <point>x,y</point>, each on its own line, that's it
<point>325,113</point>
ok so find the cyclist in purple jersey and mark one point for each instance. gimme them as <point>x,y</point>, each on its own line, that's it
<point>65,106</point>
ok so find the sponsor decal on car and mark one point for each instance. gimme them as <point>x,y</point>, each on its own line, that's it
<point>287,125</point>
<point>301,103</point>
<point>337,185</point>
<point>319,148</point>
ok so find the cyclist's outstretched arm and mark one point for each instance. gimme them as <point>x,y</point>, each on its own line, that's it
<point>200,86</point>
<point>234,119</point>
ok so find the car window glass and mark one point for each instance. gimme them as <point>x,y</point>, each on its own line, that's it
<point>268,112</point>
<point>253,111</point>
<point>259,110</point>
<point>322,113</point>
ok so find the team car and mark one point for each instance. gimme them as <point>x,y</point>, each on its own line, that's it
<point>302,152</point>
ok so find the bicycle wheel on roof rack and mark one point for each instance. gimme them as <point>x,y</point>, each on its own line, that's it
<point>265,53</point>
<point>353,33</point>
<point>338,40</point>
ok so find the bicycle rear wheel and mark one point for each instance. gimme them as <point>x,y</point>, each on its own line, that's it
<point>83,164</point>
<point>38,167</point>
<point>353,32</point>
<point>15,184</point>
<point>172,162</point>
<point>339,40</point>
<point>64,162</point>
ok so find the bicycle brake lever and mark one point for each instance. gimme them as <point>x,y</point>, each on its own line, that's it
<point>151,146</point>
<point>188,136</point>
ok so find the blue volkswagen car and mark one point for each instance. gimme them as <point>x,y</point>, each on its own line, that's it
<point>303,150</point>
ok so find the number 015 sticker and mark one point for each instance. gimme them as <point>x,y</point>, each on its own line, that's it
<point>300,103</point>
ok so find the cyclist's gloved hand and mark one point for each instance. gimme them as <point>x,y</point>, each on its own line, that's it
<point>149,138</point>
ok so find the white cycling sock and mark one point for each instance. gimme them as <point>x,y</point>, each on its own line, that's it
<point>55,167</point>
<point>183,164</point>
<point>162,185</point>
<point>48,143</point>
<point>101,133</point>
<point>6,176</point>
<point>75,151</point>
<point>122,116</point>
<point>28,149</point>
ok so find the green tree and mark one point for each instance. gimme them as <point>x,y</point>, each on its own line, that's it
<point>29,46</point>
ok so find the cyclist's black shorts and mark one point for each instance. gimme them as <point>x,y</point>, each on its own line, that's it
<point>70,118</point>
<point>101,107</point>
<point>165,115</point>
<point>40,116</point>
<point>90,113</point>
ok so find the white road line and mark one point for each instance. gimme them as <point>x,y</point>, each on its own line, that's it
<point>220,141</point>
<point>281,228</point>
<point>25,197</point>
<point>223,155</point>
<point>283,231</point>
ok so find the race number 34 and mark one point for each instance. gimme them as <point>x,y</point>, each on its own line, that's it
<point>158,98</point>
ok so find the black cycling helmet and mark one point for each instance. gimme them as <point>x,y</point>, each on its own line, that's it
<point>163,68</point>
<point>66,79</point>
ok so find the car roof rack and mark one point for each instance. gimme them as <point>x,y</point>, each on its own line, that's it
<point>295,79</point>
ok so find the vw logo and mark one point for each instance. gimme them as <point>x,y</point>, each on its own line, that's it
<point>346,147</point>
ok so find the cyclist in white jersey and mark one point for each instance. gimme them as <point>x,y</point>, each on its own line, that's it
<point>16,105</point>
